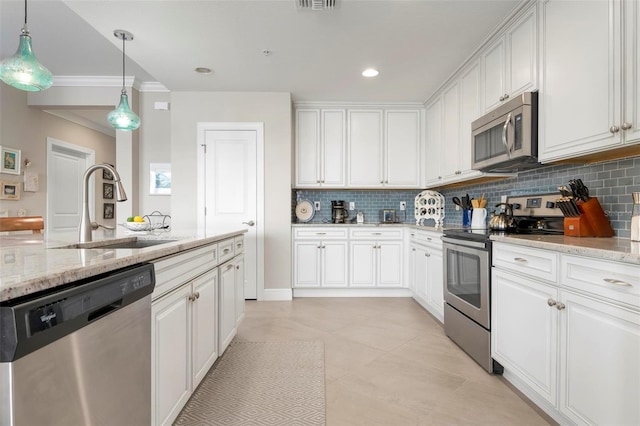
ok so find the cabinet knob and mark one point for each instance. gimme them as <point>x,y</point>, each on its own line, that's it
<point>501,98</point>
<point>614,129</point>
<point>238,267</point>
<point>381,181</point>
<point>439,177</point>
<point>551,302</point>
<point>560,306</point>
<point>192,298</point>
<point>427,254</point>
<point>197,295</point>
<point>626,126</point>
<point>413,249</point>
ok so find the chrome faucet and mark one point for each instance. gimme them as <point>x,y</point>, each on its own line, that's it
<point>86,226</point>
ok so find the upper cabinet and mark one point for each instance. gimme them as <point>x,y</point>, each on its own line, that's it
<point>320,148</point>
<point>590,80</point>
<point>509,64</point>
<point>358,148</point>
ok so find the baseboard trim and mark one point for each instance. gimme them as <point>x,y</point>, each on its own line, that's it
<point>277,294</point>
<point>351,292</point>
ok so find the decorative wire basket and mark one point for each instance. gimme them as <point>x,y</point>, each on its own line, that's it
<point>152,222</point>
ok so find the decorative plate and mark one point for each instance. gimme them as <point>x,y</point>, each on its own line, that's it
<point>305,211</point>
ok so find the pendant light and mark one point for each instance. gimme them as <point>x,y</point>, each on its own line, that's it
<point>122,118</point>
<point>22,70</point>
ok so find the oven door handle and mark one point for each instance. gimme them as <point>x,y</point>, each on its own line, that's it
<point>465,243</point>
<point>504,135</point>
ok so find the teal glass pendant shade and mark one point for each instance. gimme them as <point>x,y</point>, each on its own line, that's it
<point>22,70</point>
<point>122,118</point>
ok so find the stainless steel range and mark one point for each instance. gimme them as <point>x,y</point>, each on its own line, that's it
<point>467,273</point>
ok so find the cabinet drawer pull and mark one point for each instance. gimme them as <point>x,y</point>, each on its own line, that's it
<point>551,302</point>
<point>321,233</point>
<point>225,251</point>
<point>239,245</point>
<point>617,282</point>
<point>428,238</point>
<point>376,233</point>
<point>520,259</point>
<point>560,306</point>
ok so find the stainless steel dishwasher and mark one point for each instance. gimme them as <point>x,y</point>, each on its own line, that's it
<point>80,355</point>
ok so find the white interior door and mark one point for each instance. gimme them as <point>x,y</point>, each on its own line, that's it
<point>231,192</point>
<point>66,164</point>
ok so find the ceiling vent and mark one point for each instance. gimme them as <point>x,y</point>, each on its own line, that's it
<point>316,4</point>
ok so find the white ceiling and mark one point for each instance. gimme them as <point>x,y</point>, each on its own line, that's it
<point>315,55</point>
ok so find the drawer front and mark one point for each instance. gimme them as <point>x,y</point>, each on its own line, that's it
<point>238,243</point>
<point>320,233</point>
<point>226,250</point>
<point>176,270</point>
<point>540,264</point>
<point>616,281</point>
<point>432,239</point>
<point>375,234</point>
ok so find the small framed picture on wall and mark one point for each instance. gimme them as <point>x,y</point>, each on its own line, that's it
<point>10,160</point>
<point>107,191</point>
<point>108,211</point>
<point>107,175</point>
<point>10,191</point>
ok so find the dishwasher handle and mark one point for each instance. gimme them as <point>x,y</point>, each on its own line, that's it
<point>105,310</point>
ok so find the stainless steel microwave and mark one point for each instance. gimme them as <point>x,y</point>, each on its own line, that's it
<point>506,139</point>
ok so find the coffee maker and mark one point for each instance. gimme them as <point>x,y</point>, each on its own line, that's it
<point>338,211</point>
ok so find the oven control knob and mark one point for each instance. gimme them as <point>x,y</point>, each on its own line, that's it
<point>550,205</point>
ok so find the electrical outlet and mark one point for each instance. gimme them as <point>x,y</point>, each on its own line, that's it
<point>403,205</point>
<point>317,205</point>
<point>352,205</point>
<point>503,198</point>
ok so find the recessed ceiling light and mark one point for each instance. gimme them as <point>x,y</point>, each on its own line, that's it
<point>204,70</point>
<point>370,72</point>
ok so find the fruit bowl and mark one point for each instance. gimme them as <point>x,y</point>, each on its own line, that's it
<point>137,226</point>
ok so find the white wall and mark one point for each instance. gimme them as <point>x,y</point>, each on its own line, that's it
<point>155,147</point>
<point>274,110</point>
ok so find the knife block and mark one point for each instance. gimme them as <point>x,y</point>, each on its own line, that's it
<point>591,223</point>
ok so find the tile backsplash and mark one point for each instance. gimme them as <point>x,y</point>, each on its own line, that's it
<point>612,182</point>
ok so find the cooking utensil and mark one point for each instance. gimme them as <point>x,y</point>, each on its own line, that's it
<point>457,202</point>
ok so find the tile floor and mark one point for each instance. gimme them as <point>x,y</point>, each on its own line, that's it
<point>388,362</point>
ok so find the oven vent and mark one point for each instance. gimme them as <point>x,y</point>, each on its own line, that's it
<point>316,4</point>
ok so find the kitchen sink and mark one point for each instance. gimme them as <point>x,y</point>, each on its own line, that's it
<point>127,244</point>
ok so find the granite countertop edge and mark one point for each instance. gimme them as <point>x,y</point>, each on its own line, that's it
<point>44,266</point>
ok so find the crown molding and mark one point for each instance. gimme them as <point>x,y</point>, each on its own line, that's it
<point>94,81</point>
<point>337,104</point>
<point>152,86</point>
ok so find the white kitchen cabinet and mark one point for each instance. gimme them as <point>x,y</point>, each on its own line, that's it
<point>426,271</point>
<point>450,131</point>
<point>433,145</point>
<point>524,330</point>
<point>588,98</point>
<point>470,84</point>
<point>402,149</point>
<point>184,344</point>
<point>384,154</point>
<point>365,149</point>
<point>320,263</point>
<point>568,337</point>
<point>376,263</point>
<point>238,263</point>
<point>599,362</point>
<point>509,65</point>
<point>320,148</point>
<point>227,306</point>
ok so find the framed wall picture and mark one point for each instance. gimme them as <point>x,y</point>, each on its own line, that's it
<point>108,211</point>
<point>9,190</point>
<point>159,179</point>
<point>107,191</point>
<point>106,174</point>
<point>10,160</point>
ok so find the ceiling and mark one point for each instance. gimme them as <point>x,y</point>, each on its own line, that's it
<point>314,55</point>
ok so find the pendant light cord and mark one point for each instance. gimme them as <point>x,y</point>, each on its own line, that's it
<point>123,41</point>
<point>25,13</point>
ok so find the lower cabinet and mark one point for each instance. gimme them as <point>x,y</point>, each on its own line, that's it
<point>184,343</point>
<point>426,278</point>
<point>227,305</point>
<point>320,263</point>
<point>238,263</point>
<point>376,263</point>
<point>573,352</point>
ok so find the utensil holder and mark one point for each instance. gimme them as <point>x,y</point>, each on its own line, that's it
<point>591,223</point>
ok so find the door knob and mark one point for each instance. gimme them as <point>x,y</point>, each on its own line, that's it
<point>250,223</point>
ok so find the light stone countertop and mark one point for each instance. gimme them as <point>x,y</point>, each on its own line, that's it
<point>370,224</point>
<point>30,262</point>
<point>615,249</point>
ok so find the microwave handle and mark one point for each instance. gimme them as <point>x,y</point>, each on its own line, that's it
<point>504,134</point>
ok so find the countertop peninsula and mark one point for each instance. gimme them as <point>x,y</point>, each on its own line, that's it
<point>35,262</point>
